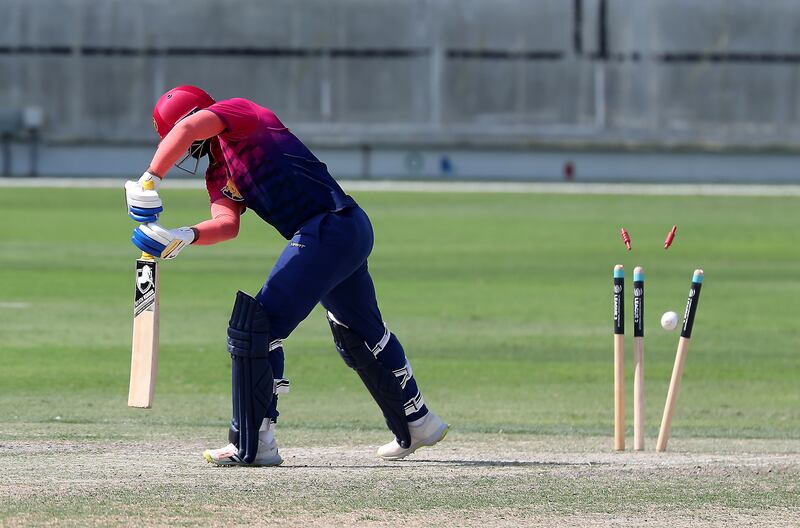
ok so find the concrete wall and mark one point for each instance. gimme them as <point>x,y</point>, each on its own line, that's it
<point>443,72</point>
<point>451,164</point>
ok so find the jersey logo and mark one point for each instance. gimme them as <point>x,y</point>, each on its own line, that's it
<point>232,192</point>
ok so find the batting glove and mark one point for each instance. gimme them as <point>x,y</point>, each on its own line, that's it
<point>159,242</point>
<point>144,205</point>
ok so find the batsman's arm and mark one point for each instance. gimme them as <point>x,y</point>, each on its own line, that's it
<point>223,225</point>
<point>167,244</point>
<point>198,126</point>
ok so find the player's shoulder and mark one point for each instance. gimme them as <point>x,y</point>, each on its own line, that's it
<point>236,103</point>
<point>242,106</point>
<point>242,116</point>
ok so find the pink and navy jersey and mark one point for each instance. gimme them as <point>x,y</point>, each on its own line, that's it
<point>256,160</point>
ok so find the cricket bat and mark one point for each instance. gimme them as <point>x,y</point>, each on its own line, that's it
<point>144,350</point>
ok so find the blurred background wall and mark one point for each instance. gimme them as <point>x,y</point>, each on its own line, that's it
<point>515,89</point>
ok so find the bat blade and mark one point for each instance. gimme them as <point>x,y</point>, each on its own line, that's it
<point>144,348</point>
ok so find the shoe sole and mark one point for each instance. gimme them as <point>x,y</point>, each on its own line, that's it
<point>207,456</point>
<point>411,451</point>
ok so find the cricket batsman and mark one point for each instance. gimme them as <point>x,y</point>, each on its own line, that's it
<point>256,163</point>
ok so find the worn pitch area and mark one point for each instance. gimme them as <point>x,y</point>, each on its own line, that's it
<point>469,480</point>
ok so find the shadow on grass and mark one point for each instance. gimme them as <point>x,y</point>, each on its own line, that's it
<point>398,464</point>
<point>505,463</point>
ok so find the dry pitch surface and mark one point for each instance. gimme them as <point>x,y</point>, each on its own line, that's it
<point>469,480</point>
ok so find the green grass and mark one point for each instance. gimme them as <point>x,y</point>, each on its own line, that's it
<point>502,302</point>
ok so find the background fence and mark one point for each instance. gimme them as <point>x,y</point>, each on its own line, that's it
<point>442,73</point>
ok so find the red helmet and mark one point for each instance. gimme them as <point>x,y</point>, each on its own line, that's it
<point>177,104</point>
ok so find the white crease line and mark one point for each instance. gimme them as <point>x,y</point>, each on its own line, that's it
<point>646,189</point>
<point>91,183</point>
<point>11,305</point>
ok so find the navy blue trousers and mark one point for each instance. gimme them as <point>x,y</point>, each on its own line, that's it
<point>326,262</point>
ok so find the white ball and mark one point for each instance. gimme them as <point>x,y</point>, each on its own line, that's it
<point>669,321</point>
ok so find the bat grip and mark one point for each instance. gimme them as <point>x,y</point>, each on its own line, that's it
<point>148,185</point>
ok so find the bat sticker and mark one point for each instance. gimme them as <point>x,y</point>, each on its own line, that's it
<point>145,294</point>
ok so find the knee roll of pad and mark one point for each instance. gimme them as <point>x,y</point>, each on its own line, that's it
<point>252,381</point>
<point>381,382</point>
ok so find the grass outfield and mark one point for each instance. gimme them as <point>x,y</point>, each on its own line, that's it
<point>502,301</point>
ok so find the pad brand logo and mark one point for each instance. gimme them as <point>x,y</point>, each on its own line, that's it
<point>144,279</point>
<point>403,375</point>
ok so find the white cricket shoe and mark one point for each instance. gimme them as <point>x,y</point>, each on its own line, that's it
<point>229,456</point>
<point>267,454</point>
<point>427,431</point>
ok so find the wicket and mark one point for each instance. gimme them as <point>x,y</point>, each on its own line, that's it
<point>680,359</point>
<point>638,359</point>
<point>619,357</point>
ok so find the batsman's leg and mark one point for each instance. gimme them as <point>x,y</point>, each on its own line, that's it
<point>366,345</point>
<point>308,267</point>
<point>252,388</point>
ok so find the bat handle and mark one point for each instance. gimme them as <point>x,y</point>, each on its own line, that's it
<point>148,185</point>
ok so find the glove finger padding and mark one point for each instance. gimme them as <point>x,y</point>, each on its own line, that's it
<point>159,242</point>
<point>147,244</point>
<point>151,214</point>
<point>139,197</point>
<point>143,205</point>
<point>157,233</point>
<point>143,219</point>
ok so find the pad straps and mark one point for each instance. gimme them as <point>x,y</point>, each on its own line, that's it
<point>382,383</point>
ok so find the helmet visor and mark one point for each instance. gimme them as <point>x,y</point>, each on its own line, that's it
<point>197,150</point>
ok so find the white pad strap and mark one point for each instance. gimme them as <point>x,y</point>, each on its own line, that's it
<point>414,404</point>
<point>280,386</point>
<point>278,343</point>
<point>377,348</point>
<point>382,343</point>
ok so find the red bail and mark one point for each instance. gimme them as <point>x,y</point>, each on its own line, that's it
<point>626,238</point>
<point>670,236</point>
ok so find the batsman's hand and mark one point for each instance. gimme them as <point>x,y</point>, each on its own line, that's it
<point>143,204</point>
<point>159,242</point>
